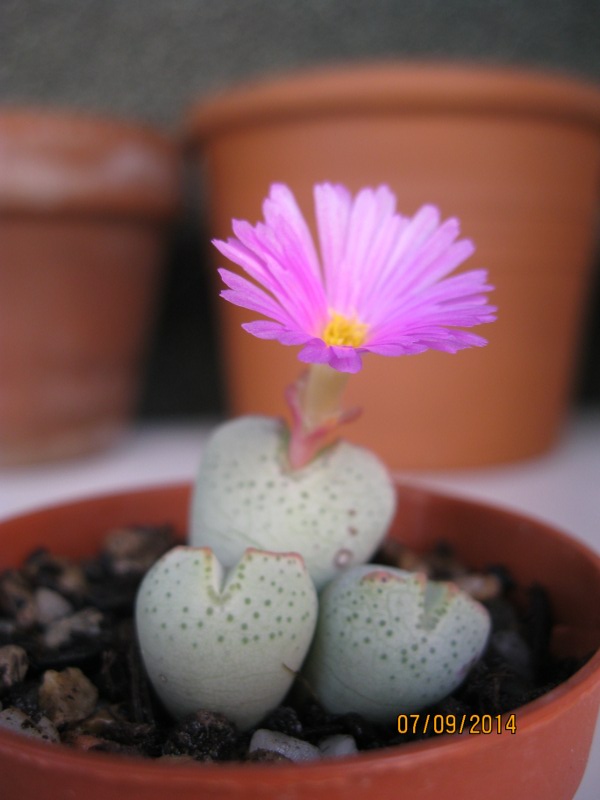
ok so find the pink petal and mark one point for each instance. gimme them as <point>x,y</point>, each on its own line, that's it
<point>455,301</point>
<point>332,208</point>
<point>390,272</point>
<point>289,283</point>
<point>280,254</point>
<point>281,209</point>
<point>314,352</point>
<point>265,329</point>
<point>243,293</point>
<point>344,359</point>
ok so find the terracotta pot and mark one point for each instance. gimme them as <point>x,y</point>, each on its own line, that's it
<point>515,156</point>
<point>83,207</point>
<point>545,758</point>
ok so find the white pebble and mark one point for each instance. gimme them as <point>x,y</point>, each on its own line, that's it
<point>513,649</point>
<point>86,622</point>
<point>13,665</point>
<point>50,605</point>
<point>13,719</point>
<point>338,745</point>
<point>288,746</point>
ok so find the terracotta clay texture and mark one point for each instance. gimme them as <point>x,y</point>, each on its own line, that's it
<point>515,156</point>
<point>84,205</point>
<point>545,758</point>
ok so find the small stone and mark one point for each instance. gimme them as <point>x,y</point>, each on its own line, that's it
<point>393,553</point>
<point>13,665</point>
<point>288,746</point>
<point>100,722</point>
<point>13,719</point>
<point>87,742</point>
<point>132,551</point>
<point>204,735</point>
<point>504,575</point>
<point>480,587</point>
<point>16,599</point>
<point>514,652</point>
<point>58,573</point>
<point>339,745</point>
<point>443,564</point>
<point>50,605</point>
<point>81,741</point>
<point>67,696</point>
<point>8,628</point>
<point>109,723</point>
<point>86,622</point>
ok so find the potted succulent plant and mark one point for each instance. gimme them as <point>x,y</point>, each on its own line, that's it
<point>272,583</point>
<point>382,287</point>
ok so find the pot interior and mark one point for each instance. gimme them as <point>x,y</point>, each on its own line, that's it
<point>556,726</point>
<point>480,534</point>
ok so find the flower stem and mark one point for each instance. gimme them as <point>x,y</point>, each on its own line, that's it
<point>315,400</point>
<point>321,398</point>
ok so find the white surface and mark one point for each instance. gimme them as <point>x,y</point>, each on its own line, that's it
<point>562,487</point>
<point>147,456</point>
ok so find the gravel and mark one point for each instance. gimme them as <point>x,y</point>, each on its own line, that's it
<point>70,670</point>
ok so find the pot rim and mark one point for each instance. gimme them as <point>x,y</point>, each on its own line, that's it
<point>138,771</point>
<point>399,87</point>
<point>63,160</point>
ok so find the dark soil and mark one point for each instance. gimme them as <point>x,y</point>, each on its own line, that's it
<point>79,615</point>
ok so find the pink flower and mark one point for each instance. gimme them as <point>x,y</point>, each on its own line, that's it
<point>379,282</point>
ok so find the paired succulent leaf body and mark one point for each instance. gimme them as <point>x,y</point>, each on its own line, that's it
<point>227,622</point>
<point>335,511</point>
<point>390,641</point>
<point>230,641</point>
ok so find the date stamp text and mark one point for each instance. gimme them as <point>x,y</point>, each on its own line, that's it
<point>473,724</point>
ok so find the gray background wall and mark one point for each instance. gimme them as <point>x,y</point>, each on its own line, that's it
<point>149,59</point>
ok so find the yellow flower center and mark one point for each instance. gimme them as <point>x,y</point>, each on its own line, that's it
<point>341,331</point>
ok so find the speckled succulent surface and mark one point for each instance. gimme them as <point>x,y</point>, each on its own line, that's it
<point>334,512</point>
<point>229,641</point>
<point>390,641</point>
<point>387,641</point>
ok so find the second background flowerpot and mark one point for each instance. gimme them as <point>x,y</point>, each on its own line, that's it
<point>515,156</point>
<point>84,207</point>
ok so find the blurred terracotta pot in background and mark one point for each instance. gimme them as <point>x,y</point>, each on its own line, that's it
<point>514,155</point>
<point>84,204</point>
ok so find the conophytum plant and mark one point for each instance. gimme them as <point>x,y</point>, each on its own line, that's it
<point>282,511</point>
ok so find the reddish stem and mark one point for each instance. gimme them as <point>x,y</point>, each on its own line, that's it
<point>311,433</point>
